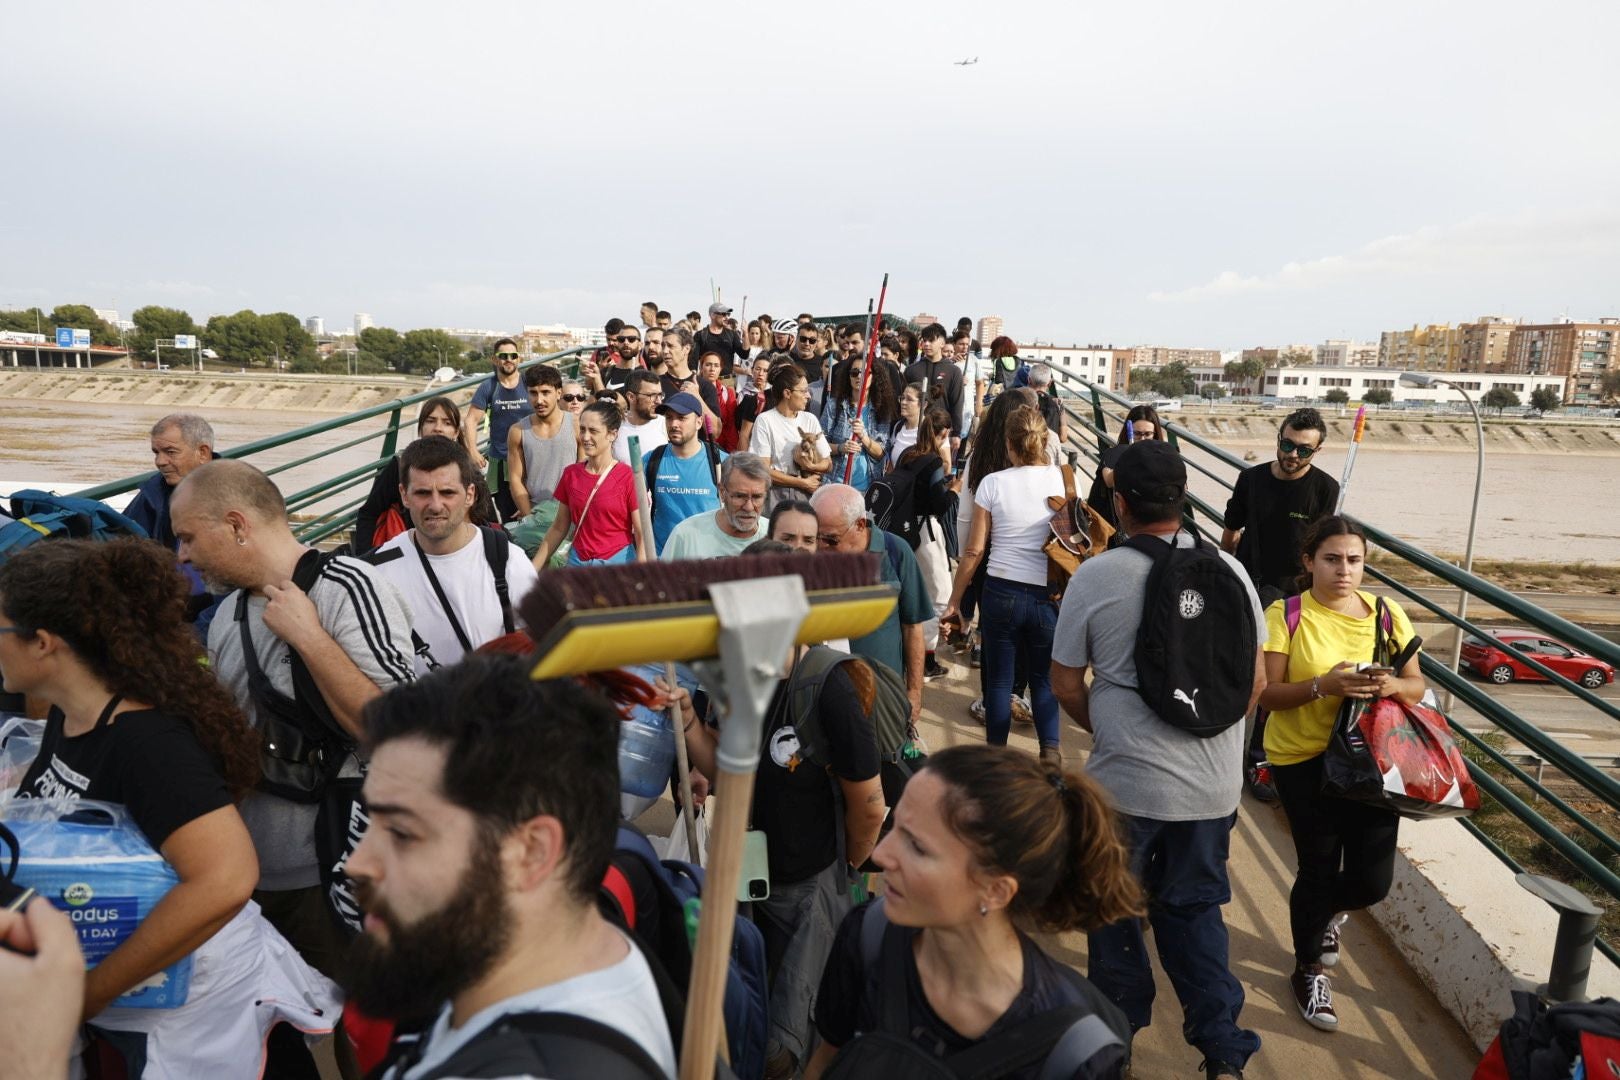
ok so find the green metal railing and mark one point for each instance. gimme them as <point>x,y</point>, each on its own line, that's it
<point>315,519</point>
<point>1092,411</point>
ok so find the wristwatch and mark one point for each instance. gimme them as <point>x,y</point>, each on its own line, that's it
<point>1316,687</point>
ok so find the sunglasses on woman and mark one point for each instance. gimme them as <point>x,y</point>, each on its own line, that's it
<point>571,398</point>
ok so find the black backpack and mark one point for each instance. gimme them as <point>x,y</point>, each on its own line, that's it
<point>900,501</point>
<point>558,1046</point>
<point>1064,1039</point>
<point>1195,646</point>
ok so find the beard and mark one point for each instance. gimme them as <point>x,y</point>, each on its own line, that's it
<point>426,963</point>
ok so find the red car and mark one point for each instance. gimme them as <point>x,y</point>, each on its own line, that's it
<point>1498,659</point>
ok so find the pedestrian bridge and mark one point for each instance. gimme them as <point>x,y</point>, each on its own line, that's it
<point>1425,976</point>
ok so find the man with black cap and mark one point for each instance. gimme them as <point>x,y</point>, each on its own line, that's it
<point>721,337</point>
<point>683,476</point>
<point>1177,792</point>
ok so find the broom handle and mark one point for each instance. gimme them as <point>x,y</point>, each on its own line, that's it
<point>688,811</point>
<point>866,372</point>
<point>705,996</point>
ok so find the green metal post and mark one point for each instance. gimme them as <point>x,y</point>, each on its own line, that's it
<point>391,437</point>
<point>1096,409</point>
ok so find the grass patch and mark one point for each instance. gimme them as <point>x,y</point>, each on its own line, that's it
<point>1564,577</point>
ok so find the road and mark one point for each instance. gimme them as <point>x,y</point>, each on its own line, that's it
<point>1586,609</point>
<point>1556,712</point>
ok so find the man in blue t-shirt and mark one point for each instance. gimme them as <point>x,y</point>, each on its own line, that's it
<point>502,396</point>
<point>683,476</point>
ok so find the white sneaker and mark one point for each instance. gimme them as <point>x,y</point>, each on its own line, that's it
<point>1021,712</point>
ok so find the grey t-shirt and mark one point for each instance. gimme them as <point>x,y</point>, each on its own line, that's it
<point>1151,769</point>
<point>545,459</point>
<point>365,615</point>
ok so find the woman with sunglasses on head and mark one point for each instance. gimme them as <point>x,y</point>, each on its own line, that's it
<point>138,720</point>
<point>1142,422</point>
<point>987,846</point>
<point>437,416</point>
<point>598,494</point>
<point>865,437</point>
<point>1317,653</point>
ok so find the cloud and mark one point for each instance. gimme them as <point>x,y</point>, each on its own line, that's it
<point>1490,244</point>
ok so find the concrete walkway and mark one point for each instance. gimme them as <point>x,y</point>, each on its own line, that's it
<point>1390,1025</point>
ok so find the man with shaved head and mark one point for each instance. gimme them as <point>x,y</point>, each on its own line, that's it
<point>843,524</point>
<point>304,641</point>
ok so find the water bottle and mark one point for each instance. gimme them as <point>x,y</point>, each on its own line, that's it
<point>646,752</point>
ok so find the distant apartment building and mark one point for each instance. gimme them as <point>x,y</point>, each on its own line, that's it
<point>362,321</point>
<point>990,328</point>
<point>1340,353</point>
<point>1483,344</point>
<point>554,337</point>
<point>315,326</point>
<point>1578,351</point>
<point>1156,356</point>
<point>1094,363</point>
<point>922,319</point>
<point>1422,348</point>
<point>1272,356</point>
<point>107,315</point>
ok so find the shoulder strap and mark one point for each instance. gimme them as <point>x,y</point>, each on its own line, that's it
<point>1068,483</point>
<point>1037,1039</point>
<point>444,601</point>
<point>714,462</point>
<point>497,550</point>
<point>1151,546</point>
<point>1293,611</point>
<point>563,1045</point>
<point>654,459</point>
<point>883,963</point>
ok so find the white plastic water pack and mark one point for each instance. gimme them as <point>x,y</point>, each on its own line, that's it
<point>92,861</point>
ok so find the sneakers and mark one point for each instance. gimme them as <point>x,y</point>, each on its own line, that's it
<point>1258,776</point>
<point>1313,996</point>
<point>1021,713</point>
<point>934,670</point>
<point>976,710</point>
<point>1330,939</point>
<point>1215,1070</point>
<point>976,652</point>
<point>1052,754</point>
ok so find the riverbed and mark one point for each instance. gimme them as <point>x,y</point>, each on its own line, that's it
<point>1541,507</point>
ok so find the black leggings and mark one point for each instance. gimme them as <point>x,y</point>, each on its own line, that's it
<point>1346,854</point>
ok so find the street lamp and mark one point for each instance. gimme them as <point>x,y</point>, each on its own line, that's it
<point>1424,379</point>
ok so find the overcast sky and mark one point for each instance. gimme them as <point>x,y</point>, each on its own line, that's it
<point>1180,173</point>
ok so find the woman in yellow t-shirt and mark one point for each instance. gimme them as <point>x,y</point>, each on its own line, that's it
<point>1346,849</point>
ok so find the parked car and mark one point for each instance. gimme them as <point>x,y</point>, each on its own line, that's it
<point>1499,659</point>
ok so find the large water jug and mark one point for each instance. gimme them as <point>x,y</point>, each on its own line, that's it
<point>646,752</point>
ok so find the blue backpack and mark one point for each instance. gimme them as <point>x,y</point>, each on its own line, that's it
<point>43,516</point>
<point>654,898</point>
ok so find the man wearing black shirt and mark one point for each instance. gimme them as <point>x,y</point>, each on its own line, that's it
<point>720,337</point>
<point>807,354</point>
<point>1271,507</point>
<point>623,357</point>
<point>944,378</point>
<point>677,376</point>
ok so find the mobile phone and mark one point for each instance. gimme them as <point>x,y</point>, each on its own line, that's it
<point>1375,669</point>
<point>754,883</point>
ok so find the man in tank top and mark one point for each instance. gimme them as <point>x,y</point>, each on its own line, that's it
<point>540,446</point>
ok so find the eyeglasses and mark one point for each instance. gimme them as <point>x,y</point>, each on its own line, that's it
<point>632,337</point>
<point>575,397</point>
<point>506,356</point>
<point>13,630</point>
<point>832,539</point>
<point>1289,446</point>
<point>651,397</point>
<point>745,496</point>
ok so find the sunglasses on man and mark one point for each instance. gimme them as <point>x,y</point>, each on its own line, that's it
<point>506,356</point>
<point>1289,446</point>
<point>628,338</point>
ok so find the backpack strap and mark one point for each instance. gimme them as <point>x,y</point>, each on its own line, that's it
<point>714,463</point>
<point>1069,494</point>
<point>558,1045</point>
<point>883,961</point>
<point>306,693</point>
<point>497,550</point>
<point>1293,611</point>
<point>1064,1038</point>
<point>654,459</point>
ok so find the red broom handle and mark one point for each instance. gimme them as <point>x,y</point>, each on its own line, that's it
<point>866,373</point>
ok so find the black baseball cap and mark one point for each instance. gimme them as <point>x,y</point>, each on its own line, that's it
<point>1151,471</point>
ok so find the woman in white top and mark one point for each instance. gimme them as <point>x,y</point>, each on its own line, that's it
<point>1017,613</point>
<point>905,432</point>
<point>780,434</point>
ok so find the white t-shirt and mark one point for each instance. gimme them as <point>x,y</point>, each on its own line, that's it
<point>469,584</point>
<point>623,996</point>
<point>1019,519</point>
<point>903,439</point>
<point>653,434</point>
<point>775,437</point>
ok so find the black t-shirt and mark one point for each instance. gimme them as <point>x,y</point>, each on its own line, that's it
<point>617,378</point>
<point>813,368</point>
<point>147,761</point>
<point>793,798</point>
<point>705,389</point>
<point>748,407</point>
<point>728,343</point>
<point>843,1011</point>
<point>944,381</point>
<point>1274,516</point>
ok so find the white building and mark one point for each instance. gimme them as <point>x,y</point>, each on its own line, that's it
<point>1314,382</point>
<point>362,321</point>
<point>1089,362</point>
<point>315,326</point>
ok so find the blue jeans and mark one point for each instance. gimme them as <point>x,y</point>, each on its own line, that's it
<point>1182,865</point>
<point>1015,623</point>
<point>625,554</point>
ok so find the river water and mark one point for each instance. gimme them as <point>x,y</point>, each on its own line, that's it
<point>1542,507</point>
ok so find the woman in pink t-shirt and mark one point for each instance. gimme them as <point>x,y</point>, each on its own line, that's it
<point>600,496</point>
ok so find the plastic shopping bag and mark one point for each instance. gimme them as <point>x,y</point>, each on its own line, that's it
<point>91,860</point>
<point>20,740</point>
<point>1399,756</point>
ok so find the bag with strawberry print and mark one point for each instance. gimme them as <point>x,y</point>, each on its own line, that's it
<point>1399,756</point>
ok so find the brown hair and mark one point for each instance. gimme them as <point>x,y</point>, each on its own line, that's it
<point>1026,436</point>
<point>933,433</point>
<point>451,410</point>
<point>120,606</point>
<point>1056,833</point>
<point>1320,530</point>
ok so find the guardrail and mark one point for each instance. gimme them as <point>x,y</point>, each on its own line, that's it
<point>1092,411</point>
<point>327,520</point>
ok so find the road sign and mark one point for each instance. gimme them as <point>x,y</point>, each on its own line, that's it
<point>69,338</point>
<point>185,341</point>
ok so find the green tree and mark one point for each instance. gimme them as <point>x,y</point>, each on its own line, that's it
<point>25,321</point>
<point>1609,384</point>
<point>383,343</point>
<point>1245,371</point>
<point>1499,398</point>
<point>240,339</point>
<point>1296,358</point>
<point>425,351</point>
<point>1338,395</point>
<point>84,317</point>
<point>1378,395</point>
<point>152,323</point>
<point>1545,399</point>
<point>1173,380</point>
<point>1212,391</point>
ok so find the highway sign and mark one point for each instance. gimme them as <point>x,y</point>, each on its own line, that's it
<point>185,341</point>
<point>69,338</point>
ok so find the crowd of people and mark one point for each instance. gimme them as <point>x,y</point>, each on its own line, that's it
<point>251,700</point>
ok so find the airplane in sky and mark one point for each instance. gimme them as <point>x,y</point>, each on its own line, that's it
<point>966,63</point>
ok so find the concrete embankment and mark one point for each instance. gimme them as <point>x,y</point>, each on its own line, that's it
<point>1395,431</point>
<point>185,390</point>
